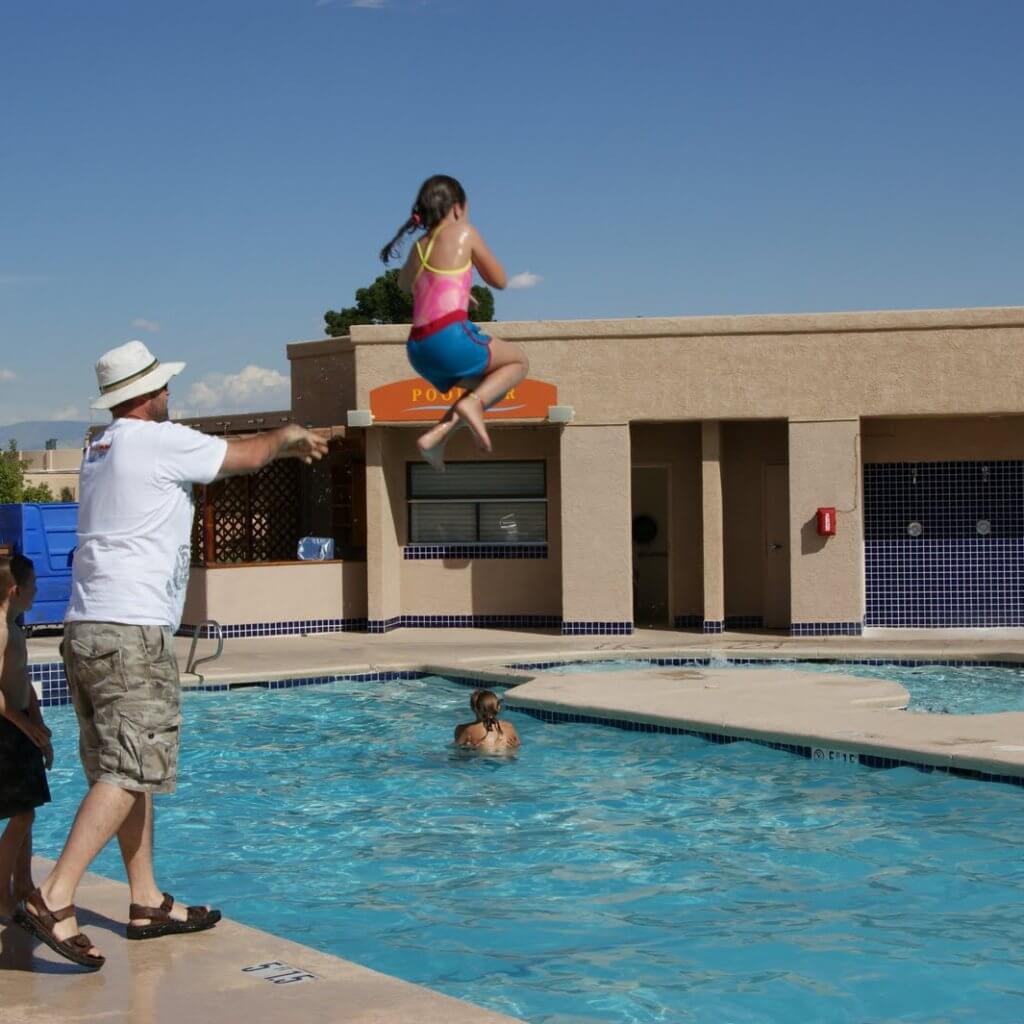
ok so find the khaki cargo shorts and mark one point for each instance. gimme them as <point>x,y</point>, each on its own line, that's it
<point>125,689</point>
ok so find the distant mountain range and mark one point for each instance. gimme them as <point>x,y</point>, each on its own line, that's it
<point>33,434</point>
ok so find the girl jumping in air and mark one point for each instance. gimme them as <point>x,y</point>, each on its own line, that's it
<point>444,346</point>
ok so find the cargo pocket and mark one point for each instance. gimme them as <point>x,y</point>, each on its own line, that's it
<point>149,747</point>
<point>100,674</point>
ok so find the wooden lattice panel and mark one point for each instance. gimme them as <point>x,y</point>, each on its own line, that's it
<point>253,518</point>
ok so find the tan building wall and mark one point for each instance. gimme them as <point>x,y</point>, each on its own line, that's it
<point>57,468</point>
<point>808,366</point>
<point>720,401</point>
<point>485,586</point>
<point>827,573</point>
<point>323,381</point>
<point>276,592</point>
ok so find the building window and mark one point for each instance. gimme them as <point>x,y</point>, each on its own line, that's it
<point>478,503</point>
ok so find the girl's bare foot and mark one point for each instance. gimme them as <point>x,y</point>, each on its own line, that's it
<point>432,450</point>
<point>471,411</point>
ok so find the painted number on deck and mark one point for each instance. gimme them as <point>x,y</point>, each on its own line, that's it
<point>278,973</point>
<point>844,756</point>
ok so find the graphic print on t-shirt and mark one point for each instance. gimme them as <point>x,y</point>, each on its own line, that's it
<point>179,580</point>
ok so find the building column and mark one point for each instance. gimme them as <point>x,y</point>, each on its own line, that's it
<point>826,573</point>
<point>597,543</point>
<point>384,502</point>
<point>713,543</point>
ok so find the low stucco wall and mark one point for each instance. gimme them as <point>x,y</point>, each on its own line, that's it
<point>286,592</point>
<point>482,586</point>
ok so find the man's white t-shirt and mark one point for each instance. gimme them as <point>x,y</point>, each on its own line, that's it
<point>135,521</point>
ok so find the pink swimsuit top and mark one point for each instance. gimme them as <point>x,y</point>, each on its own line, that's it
<point>438,293</point>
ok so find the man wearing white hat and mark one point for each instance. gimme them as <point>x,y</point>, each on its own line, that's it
<point>128,591</point>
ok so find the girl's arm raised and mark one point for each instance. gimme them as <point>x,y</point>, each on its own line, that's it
<point>486,263</point>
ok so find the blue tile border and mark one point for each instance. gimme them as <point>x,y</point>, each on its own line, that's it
<point>865,760</point>
<point>826,629</point>
<point>293,627</point>
<point>464,622</point>
<point>713,626</point>
<point>584,628</point>
<point>421,552</point>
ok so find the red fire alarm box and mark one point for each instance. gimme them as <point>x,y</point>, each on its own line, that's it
<point>826,522</point>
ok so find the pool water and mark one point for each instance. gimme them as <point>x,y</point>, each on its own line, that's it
<point>596,876</point>
<point>946,689</point>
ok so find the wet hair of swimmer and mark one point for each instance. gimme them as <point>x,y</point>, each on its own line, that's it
<point>436,197</point>
<point>486,705</point>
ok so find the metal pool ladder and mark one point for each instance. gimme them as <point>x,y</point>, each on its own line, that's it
<point>212,628</point>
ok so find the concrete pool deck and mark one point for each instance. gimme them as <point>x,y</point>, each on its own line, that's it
<point>201,977</point>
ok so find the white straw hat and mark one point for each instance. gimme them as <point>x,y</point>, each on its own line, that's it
<point>128,371</point>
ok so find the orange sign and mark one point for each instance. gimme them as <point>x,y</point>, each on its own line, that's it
<point>414,399</point>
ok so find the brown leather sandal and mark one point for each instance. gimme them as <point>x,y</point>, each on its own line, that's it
<point>161,922</point>
<point>41,921</point>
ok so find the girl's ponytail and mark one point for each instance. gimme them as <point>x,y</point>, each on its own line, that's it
<point>390,251</point>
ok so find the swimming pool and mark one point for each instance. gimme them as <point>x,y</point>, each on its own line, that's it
<point>949,689</point>
<point>595,877</point>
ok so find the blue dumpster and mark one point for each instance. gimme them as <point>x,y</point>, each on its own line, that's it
<point>48,535</point>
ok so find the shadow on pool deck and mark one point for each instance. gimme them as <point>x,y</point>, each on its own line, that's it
<point>201,978</point>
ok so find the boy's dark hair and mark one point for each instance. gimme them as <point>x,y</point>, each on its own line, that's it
<point>437,195</point>
<point>6,576</point>
<point>22,569</point>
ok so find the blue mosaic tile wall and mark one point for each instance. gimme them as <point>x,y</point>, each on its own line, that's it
<point>826,629</point>
<point>688,621</point>
<point>303,627</point>
<point>53,683</point>
<point>951,574</point>
<point>464,622</point>
<point>418,552</point>
<point>579,628</point>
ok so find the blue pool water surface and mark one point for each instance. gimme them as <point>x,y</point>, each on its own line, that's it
<point>950,689</point>
<point>598,875</point>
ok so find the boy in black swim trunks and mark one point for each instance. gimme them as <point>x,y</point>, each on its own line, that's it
<point>25,750</point>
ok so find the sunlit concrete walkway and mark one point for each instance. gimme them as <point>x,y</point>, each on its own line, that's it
<point>201,979</point>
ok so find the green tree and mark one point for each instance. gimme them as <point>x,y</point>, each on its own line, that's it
<point>67,494</point>
<point>383,302</point>
<point>12,475</point>
<point>13,489</point>
<point>38,494</point>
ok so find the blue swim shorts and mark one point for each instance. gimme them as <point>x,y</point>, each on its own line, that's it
<point>449,350</point>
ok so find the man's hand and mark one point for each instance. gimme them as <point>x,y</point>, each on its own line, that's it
<point>48,756</point>
<point>299,443</point>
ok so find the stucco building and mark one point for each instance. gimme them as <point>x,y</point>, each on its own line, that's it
<point>664,472</point>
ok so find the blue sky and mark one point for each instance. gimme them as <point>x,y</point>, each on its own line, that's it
<point>211,176</point>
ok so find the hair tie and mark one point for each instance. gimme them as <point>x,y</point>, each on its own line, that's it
<point>416,219</point>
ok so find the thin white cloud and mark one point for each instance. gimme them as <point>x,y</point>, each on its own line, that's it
<point>524,280</point>
<point>375,5</point>
<point>252,389</point>
<point>146,325</point>
<point>67,412</point>
<point>7,374</point>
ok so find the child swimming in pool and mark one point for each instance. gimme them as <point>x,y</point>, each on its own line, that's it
<point>444,346</point>
<point>486,733</point>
